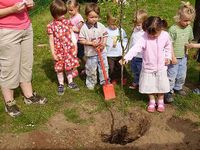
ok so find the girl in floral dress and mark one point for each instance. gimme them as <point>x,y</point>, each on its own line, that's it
<point>63,46</point>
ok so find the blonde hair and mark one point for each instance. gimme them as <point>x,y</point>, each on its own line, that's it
<point>186,10</point>
<point>140,16</point>
<point>111,18</point>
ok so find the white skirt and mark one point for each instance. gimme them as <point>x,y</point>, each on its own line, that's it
<point>154,82</point>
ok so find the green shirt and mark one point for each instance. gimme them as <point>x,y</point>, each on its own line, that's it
<point>180,37</point>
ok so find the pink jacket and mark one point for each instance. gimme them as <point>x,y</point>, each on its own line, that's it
<point>154,51</point>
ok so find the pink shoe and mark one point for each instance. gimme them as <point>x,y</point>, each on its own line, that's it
<point>161,107</point>
<point>151,107</point>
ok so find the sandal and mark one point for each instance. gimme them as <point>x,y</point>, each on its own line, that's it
<point>151,107</point>
<point>161,107</point>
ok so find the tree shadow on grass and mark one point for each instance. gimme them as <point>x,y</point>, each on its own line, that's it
<point>47,66</point>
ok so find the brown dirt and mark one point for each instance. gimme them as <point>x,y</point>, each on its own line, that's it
<point>151,131</point>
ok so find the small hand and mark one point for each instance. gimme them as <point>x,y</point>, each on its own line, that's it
<point>189,45</point>
<point>55,57</point>
<point>174,60</point>
<point>167,61</point>
<point>122,62</point>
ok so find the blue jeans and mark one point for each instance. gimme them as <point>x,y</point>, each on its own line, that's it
<point>136,66</point>
<point>177,74</point>
<point>91,66</point>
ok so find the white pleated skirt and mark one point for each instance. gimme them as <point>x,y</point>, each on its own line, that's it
<point>154,82</point>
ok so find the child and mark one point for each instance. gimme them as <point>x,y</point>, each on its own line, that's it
<point>63,49</point>
<point>156,48</point>
<point>181,33</point>
<point>114,49</point>
<point>197,56</point>
<point>136,62</point>
<point>93,34</point>
<point>77,22</point>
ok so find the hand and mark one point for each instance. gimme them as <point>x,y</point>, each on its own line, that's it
<point>95,44</point>
<point>189,45</point>
<point>122,62</point>
<point>55,57</point>
<point>174,60</point>
<point>101,46</point>
<point>29,3</point>
<point>167,61</point>
<point>18,7</point>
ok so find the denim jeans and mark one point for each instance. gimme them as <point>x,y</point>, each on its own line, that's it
<point>177,74</point>
<point>136,66</point>
<point>91,66</point>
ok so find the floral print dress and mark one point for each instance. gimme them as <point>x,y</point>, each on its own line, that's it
<point>63,46</point>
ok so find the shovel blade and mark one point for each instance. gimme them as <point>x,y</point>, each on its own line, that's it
<point>109,92</point>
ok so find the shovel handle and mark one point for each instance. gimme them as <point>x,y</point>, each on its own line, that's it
<point>102,65</point>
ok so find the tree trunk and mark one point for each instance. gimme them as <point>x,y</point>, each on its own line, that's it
<point>196,27</point>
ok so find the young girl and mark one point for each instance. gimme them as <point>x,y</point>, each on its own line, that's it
<point>114,49</point>
<point>136,62</point>
<point>77,21</point>
<point>63,47</point>
<point>93,34</point>
<point>181,34</point>
<point>156,48</point>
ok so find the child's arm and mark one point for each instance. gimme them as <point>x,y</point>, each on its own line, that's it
<point>193,45</point>
<point>77,28</point>
<point>174,60</point>
<point>51,43</point>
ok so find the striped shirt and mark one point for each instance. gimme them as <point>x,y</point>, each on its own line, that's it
<point>180,37</point>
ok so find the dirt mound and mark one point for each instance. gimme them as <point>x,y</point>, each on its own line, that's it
<point>147,131</point>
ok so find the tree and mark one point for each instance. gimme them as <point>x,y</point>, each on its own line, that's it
<point>196,27</point>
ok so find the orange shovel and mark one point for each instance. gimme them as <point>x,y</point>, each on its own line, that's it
<point>108,88</point>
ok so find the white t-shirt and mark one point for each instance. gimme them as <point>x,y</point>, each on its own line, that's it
<point>113,45</point>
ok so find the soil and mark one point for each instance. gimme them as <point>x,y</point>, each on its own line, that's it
<point>148,131</point>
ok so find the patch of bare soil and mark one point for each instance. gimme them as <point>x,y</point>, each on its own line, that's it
<point>147,131</point>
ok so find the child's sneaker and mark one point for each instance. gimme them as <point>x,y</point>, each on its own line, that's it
<point>180,92</point>
<point>12,109</point>
<point>35,99</point>
<point>133,86</point>
<point>73,86</point>
<point>168,98</point>
<point>61,89</point>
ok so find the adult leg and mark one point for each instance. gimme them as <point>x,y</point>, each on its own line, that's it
<point>26,64</point>
<point>9,65</point>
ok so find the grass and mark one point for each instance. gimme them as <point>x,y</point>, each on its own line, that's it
<point>45,82</point>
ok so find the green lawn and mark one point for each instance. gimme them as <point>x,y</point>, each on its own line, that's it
<point>45,82</point>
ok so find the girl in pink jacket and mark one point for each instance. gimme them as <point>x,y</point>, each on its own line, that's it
<point>156,48</point>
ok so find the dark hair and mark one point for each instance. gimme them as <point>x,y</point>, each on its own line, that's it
<point>92,7</point>
<point>58,8</point>
<point>154,24</point>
